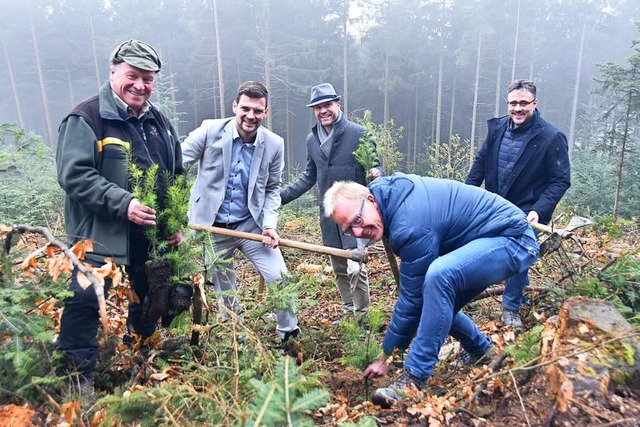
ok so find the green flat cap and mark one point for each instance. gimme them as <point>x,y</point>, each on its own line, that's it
<point>137,54</point>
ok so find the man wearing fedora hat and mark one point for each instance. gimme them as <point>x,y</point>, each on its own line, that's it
<point>330,147</point>
<point>93,142</point>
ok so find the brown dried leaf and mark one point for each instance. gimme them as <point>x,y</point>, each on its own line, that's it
<point>309,268</point>
<point>294,224</point>
<point>81,248</point>
<point>99,417</point>
<point>70,410</point>
<point>29,267</point>
<point>52,251</point>
<point>159,376</point>
<point>58,264</point>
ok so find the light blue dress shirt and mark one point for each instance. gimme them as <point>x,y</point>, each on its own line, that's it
<point>235,207</point>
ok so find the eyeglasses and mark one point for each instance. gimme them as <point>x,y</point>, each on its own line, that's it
<point>357,221</point>
<point>522,104</point>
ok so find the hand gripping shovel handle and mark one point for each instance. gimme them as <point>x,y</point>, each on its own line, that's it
<point>344,253</point>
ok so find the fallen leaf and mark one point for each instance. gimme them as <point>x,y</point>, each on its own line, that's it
<point>70,410</point>
<point>159,376</point>
<point>294,224</point>
<point>99,417</point>
<point>81,248</point>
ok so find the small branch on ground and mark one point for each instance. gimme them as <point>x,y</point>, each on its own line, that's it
<point>98,287</point>
<point>524,410</point>
<point>494,367</point>
<point>499,290</point>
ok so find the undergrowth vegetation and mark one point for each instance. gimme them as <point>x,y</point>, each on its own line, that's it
<point>29,191</point>
<point>28,362</point>
<point>239,372</point>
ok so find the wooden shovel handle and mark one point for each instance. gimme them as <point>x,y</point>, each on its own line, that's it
<point>344,253</point>
<point>559,231</point>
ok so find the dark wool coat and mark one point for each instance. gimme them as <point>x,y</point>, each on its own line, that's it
<point>541,175</point>
<point>341,165</point>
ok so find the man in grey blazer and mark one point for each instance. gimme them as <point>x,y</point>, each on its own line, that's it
<point>330,147</point>
<point>238,187</point>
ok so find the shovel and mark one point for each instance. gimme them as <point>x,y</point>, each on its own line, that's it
<point>556,235</point>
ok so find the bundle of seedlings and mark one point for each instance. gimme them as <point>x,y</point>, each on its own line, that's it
<point>169,267</point>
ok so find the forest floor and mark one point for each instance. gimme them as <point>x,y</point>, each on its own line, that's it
<point>516,393</point>
<point>510,396</point>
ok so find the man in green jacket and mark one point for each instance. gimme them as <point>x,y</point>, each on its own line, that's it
<point>92,170</point>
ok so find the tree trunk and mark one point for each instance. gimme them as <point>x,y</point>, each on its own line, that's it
<point>623,149</point>
<point>174,101</point>
<point>433,116</point>
<point>515,44</point>
<point>267,59</point>
<point>496,112</point>
<point>196,110</point>
<point>95,52</point>
<point>414,154</point>
<point>386,87</point>
<point>43,91</point>
<point>72,98</point>
<point>453,109</point>
<point>476,90</point>
<point>439,94</point>
<point>216,25</point>
<point>289,140</point>
<point>14,88</point>
<point>345,56</point>
<point>576,91</point>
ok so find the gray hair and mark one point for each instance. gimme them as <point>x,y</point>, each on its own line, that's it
<point>343,190</point>
<point>522,84</point>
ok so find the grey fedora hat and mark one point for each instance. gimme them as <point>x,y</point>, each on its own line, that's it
<point>324,92</point>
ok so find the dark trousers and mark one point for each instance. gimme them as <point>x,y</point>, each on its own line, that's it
<point>80,320</point>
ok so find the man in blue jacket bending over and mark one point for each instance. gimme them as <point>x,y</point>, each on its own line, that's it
<point>454,241</point>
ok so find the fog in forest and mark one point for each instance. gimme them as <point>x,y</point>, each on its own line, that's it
<point>436,68</point>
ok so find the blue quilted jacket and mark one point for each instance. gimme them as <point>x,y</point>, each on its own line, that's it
<point>425,218</point>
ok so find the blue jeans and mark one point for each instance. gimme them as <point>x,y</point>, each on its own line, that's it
<point>514,289</point>
<point>453,280</point>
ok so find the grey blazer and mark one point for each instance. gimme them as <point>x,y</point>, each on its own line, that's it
<point>210,145</point>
